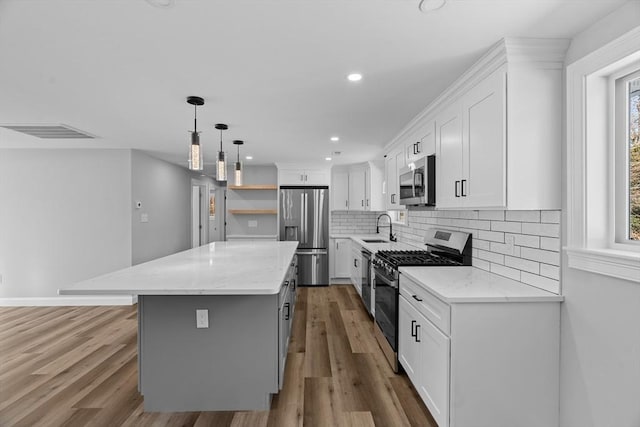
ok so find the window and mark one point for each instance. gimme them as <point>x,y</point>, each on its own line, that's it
<point>603,160</point>
<point>633,173</point>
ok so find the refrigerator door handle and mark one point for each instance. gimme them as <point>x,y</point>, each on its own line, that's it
<point>303,230</point>
<point>306,213</point>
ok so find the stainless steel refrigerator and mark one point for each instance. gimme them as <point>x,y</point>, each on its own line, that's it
<point>304,217</point>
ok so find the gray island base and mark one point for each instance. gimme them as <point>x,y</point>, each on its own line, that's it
<point>232,365</point>
<point>237,361</point>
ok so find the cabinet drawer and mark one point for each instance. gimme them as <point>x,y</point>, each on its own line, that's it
<point>438,312</point>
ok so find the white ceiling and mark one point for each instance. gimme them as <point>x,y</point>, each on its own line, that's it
<point>273,70</point>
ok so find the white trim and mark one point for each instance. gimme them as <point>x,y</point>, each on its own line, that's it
<point>68,301</point>
<point>588,246</point>
<point>620,264</point>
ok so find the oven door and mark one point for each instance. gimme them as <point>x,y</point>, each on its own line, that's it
<point>386,306</point>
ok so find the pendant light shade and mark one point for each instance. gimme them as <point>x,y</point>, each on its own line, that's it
<point>238,165</point>
<point>221,163</point>
<point>196,161</point>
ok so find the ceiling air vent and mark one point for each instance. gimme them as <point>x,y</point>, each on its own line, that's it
<point>50,131</point>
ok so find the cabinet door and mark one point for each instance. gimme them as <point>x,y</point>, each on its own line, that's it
<point>449,157</point>
<point>434,369</point>
<point>484,143</point>
<point>357,190</point>
<point>356,261</point>
<point>408,348</point>
<point>340,191</point>
<point>342,258</point>
<point>317,177</point>
<point>394,162</point>
<point>283,335</point>
<point>291,177</point>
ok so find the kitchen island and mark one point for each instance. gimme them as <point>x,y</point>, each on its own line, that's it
<point>213,323</point>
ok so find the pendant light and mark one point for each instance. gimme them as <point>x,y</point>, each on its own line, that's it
<point>221,163</point>
<point>238,166</point>
<point>196,162</point>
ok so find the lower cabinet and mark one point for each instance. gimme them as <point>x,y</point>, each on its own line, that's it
<point>481,363</point>
<point>356,267</point>
<point>286,307</point>
<point>340,256</point>
<point>424,353</point>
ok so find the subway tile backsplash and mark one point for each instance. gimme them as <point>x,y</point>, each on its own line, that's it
<point>521,245</point>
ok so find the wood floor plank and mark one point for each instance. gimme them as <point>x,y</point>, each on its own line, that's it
<point>317,363</point>
<point>76,366</point>
<point>322,406</point>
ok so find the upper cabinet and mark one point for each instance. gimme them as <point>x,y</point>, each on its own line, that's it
<point>394,161</point>
<point>357,187</point>
<point>471,148</point>
<point>309,177</point>
<point>496,131</point>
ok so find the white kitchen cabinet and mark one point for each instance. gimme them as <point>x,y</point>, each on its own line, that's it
<point>471,148</point>
<point>340,258</point>
<point>357,187</point>
<point>423,146</point>
<point>356,267</point>
<point>394,161</point>
<point>310,177</point>
<point>498,131</point>
<point>480,364</point>
<point>339,190</point>
<point>449,157</point>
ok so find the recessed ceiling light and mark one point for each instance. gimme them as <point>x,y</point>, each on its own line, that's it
<point>354,77</point>
<point>430,5</point>
<point>327,158</point>
<point>335,139</point>
<point>249,157</point>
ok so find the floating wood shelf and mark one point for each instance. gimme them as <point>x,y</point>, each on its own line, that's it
<point>254,187</point>
<point>253,211</point>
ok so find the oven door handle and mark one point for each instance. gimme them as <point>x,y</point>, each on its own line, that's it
<point>392,283</point>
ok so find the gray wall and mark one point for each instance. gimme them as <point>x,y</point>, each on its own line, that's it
<point>64,217</point>
<point>238,225</point>
<point>165,192</point>
<point>600,318</point>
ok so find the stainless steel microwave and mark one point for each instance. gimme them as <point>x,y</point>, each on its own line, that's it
<point>418,183</point>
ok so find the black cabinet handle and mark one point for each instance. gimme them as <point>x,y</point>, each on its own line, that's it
<point>286,283</point>
<point>415,148</point>
<point>462,188</point>
<point>415,297</point>
<point>393,198</point>
<point>457,182</point>
<point>362,202</point>
<point>417,337</point>
<point>287,306</point>
<point>293,283</point>
<point>413,324</point>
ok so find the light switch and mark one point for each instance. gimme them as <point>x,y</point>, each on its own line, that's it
<point>202,318</point>
<point>253,223</point>
<point>144,217</point>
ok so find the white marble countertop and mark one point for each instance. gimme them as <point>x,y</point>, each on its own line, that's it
<point>470,284</point>
<point>219,268</point>
<point>375,247</point>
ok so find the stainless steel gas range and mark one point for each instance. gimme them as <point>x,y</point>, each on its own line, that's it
<point>442,248</point>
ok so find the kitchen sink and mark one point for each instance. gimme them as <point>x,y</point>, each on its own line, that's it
<point>374,241</point>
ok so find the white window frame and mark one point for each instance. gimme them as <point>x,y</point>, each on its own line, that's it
<point>591,244</point>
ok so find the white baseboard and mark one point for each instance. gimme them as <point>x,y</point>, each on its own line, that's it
<point>69,301</point>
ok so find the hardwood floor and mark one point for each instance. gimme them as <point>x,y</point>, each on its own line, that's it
<point>77,366</point>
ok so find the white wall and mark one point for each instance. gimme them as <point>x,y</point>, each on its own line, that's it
<point>64,217</point>
<point>165,192</point>
<point>600,323</point>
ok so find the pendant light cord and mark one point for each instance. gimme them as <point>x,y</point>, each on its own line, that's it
<point>220,139</point>
<point>195,118</point>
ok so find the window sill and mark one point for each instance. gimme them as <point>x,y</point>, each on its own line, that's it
<point>609,262</point>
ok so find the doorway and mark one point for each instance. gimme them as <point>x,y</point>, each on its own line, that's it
<point>217,214</point>
<point>199,211</point>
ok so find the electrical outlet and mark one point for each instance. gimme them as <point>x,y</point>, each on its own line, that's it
<point>202,318</point>
<point>253,223</point>
<point>144,217</point>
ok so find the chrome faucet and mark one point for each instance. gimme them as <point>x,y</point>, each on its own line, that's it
<point>392,237</point>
